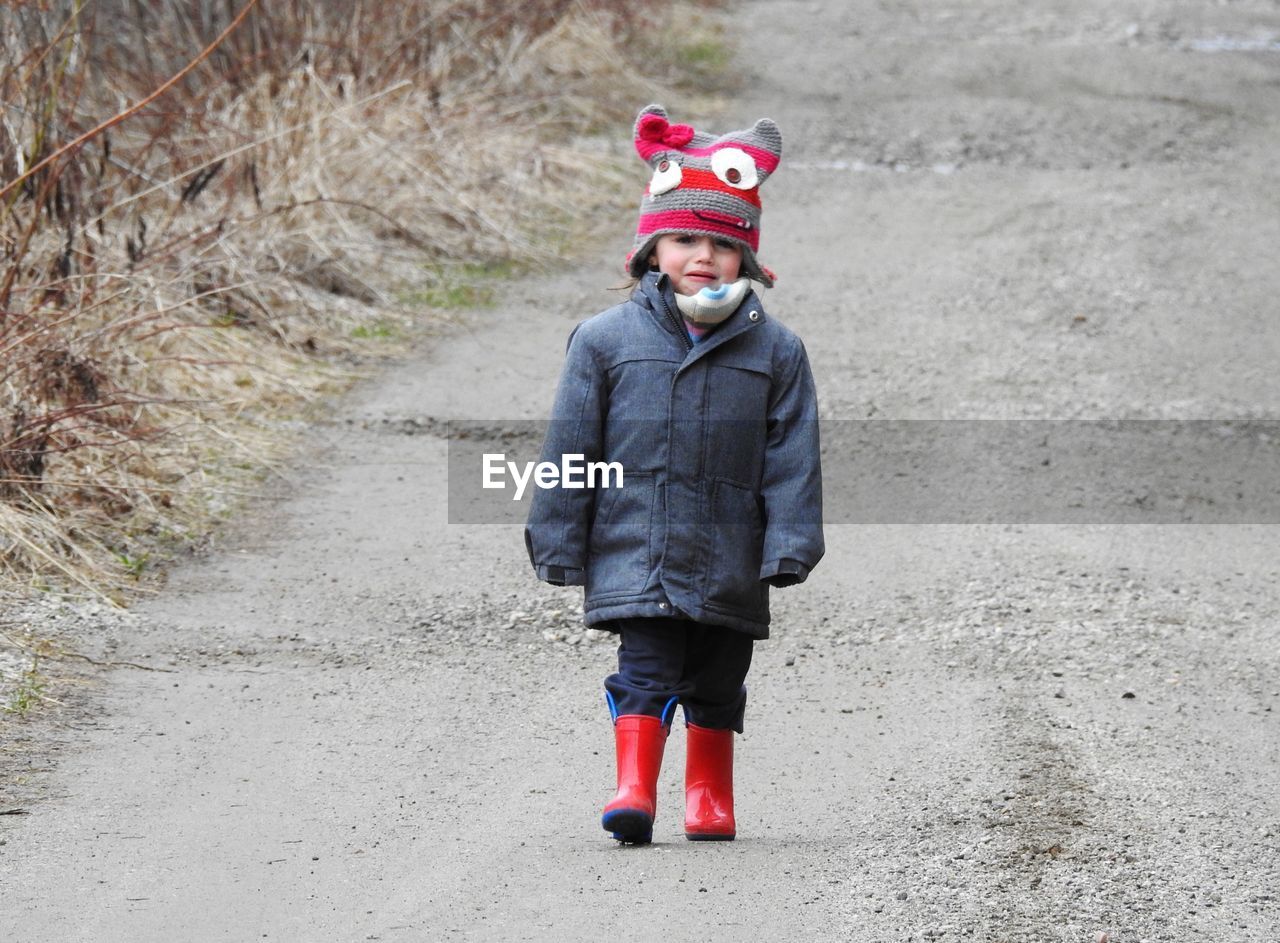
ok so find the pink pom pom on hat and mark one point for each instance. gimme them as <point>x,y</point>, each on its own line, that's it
<point>703,184</point>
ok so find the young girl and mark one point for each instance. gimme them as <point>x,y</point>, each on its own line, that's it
<point>708,405</point>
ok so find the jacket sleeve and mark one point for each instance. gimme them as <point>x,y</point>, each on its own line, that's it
<point>792,482</point>
<point>559,522</point>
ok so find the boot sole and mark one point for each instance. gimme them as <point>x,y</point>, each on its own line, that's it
<point>629,826</point>
<point>709,836</point>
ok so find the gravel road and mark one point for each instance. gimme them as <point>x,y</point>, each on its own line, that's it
<point>374,725</point>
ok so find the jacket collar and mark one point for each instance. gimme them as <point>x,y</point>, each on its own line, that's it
<point>655,293</point>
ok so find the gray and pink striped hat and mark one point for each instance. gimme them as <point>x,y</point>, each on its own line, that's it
<point>703,184</point>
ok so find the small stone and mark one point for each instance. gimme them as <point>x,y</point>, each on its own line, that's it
<point>902,895</point>
<point>791,660</point>
<point>1128,696</point>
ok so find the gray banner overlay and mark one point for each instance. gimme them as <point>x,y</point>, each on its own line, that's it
<point>948,471</point>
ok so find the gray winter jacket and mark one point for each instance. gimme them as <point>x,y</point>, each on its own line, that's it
<point>718,443</point>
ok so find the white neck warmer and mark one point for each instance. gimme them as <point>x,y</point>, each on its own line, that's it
<point>712,305</point>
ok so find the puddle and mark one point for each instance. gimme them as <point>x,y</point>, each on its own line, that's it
<point>1235,44</point>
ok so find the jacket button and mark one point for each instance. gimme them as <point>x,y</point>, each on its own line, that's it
<point>753,316</point>
<point>662,605</point>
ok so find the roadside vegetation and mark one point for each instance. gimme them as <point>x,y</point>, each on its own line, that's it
<point>214,215</point>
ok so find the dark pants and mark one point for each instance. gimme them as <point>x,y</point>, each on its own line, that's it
<point>662,662</point>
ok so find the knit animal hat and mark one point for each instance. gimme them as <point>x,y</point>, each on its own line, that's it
<point>703,184</point>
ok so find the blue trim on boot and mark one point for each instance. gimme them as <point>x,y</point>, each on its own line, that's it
<point>629,826</point>
<point>613,705</point>
<point>668,712</point>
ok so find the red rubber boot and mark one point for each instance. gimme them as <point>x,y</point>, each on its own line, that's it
<point>708,785</point>
<point>639,741</point>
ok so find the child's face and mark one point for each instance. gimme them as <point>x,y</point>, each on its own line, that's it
<point>696,262</point>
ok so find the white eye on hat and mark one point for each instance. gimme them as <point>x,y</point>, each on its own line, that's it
<point>666,176</point>
<point>735,167</point>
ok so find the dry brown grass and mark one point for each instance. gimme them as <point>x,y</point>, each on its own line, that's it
<point>180,285</point>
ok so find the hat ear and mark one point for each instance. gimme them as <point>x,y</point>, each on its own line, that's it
<point>650,116</point>
<point>650,110</point>
<point>767,136</point>
<point>655,135</point>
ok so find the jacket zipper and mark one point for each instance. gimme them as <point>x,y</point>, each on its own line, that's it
<point>679,325</point>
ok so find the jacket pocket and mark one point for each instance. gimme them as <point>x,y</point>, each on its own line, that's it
<point>619,561</point>
<point>735,552</point>
<point>737,427</point>
<point>738,388</point>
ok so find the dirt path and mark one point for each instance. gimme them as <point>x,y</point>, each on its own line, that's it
<point>377,726</point>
